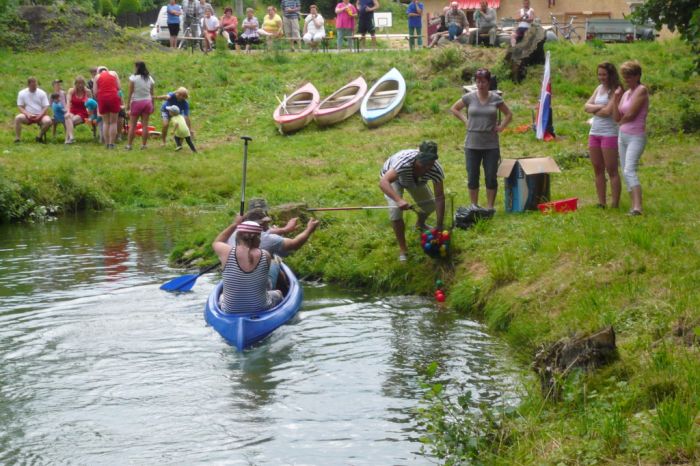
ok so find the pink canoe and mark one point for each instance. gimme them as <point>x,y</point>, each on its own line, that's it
<point>342,104</point>
<point>297,110</point>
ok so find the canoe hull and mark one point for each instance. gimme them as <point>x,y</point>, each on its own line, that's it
<point>247,328</point>
<point>377,109</point>
<point>297,110</point>
<point>327,114</point>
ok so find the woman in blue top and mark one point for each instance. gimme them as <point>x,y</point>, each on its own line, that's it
<point>174,15</point>
<point>179,99</point>
<point>246,268</point>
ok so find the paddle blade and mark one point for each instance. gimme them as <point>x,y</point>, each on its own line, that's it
<point>183,283</point>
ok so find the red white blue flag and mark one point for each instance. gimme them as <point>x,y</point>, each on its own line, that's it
<point>544,126</point>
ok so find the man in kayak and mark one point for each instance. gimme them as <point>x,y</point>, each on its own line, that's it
<point>272,240</point>
<point>411,170</point>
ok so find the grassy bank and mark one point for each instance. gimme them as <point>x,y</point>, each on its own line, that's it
<point>531,278</point>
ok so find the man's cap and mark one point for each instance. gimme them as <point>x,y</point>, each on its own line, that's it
<point>174,109</point>
<point>57,81</point>
<point>249,227</point>
<point>427,152</point>
<point>257,215</point>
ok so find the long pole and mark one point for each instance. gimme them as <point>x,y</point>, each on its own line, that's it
<point>326,209</point>
<point>245,169</point>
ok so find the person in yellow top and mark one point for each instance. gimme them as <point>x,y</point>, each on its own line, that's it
<point>180,129</point>
<point>272,25</point>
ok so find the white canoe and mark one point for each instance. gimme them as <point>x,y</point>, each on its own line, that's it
<point>297,110</point>
<point>384,100</point>
<point>342,104</point>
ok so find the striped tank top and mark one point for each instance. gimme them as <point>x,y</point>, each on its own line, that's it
<point>245,291</point>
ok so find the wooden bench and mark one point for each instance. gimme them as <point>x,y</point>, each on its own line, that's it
<point>356,38</point>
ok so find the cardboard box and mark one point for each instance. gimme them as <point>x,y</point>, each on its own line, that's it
<point>527,182</point>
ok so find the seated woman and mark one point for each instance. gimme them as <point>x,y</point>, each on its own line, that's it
<point>250,30</point>
<point>76,113</point>
<point>272,25</point>
<point>246,268</point>
<point>314,32</point>
<point>229,27</point>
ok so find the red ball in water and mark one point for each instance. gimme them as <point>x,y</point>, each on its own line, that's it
<point>440,298</point>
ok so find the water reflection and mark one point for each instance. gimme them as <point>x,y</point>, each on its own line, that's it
<point>101,367</point>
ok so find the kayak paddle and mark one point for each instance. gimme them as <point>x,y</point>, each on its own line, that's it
<point>185,282</point>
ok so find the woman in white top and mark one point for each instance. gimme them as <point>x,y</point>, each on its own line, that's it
<point>602,139</point>
<point>526,16</point>
<point>314,32</point>
<point>139,103</point>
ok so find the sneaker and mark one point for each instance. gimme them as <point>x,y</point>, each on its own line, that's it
<point>17,140</point>
<point>144,146</point>
<point>634,213</point>
<point>127,147</point>
<point>178,148</point>
<point>475,207</point>
<point>40,139</point>
<point>403,257</point>
<point>601,206</point>
<point>70,141</point>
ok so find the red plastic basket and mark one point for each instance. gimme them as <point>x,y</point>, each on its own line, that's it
<point>565,205</point>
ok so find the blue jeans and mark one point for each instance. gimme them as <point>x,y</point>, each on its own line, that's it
<point>415,31</point>
<point>273,273</point>
<point>454,31</point>
<point>343,32</point>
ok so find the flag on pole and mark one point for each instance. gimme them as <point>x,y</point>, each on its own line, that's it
<point>544,127</point>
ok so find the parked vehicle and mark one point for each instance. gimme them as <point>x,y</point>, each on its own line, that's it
<point>159,30</point>
<point>617,30</point>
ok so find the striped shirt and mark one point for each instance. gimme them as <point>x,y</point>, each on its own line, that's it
<point>402,162</point>
<point>245,291</point>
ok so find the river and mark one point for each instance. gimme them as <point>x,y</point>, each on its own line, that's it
<point>101,367</point>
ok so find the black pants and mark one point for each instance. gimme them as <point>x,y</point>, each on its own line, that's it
<point>178,142</point>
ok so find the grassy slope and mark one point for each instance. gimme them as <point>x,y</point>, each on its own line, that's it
<point>532,278</point>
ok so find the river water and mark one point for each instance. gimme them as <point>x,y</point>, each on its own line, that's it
<point>98,366</point>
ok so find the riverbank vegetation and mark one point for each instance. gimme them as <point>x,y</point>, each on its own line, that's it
<point>531,278</point>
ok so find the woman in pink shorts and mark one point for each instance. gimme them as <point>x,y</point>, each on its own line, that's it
<point>106,88</point>
<point>139,103</point>
<point>602,139</point>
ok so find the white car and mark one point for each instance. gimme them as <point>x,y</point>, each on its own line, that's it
<point>160,32</point>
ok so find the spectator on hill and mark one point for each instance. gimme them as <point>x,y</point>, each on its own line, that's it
<point>250,30</point>
<point>345,14</point>
<point>139,102</point>
<point>411,170</point>
<point>456,22</point>
<point>59,112</point>
<point>481,145</point>
<point>485,19</point>
<point>194,12</point>
<point>415,22</point>
<point>211,27</point>
<point>365,20</point>
<point>33,104</point>
<point>109,103</point>
<point>290,11</point>
<point>58,89</point>
<point>272,27</point>
<point>526,16</point>
<point>91,81</point>
<point>630,112</point>
<point>76,113</point>
<point>245,269</point>
<point>314,31</point>
<point>229,27</point>
<point>442,30</point>
<point>179,98</point>
<point>174,16</point>
<point>180,129</point>
<point>602,138</point>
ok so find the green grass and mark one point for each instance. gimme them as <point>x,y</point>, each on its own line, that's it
<point>531,278</point>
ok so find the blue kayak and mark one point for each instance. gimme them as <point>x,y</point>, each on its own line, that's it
<point>246,328</point>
